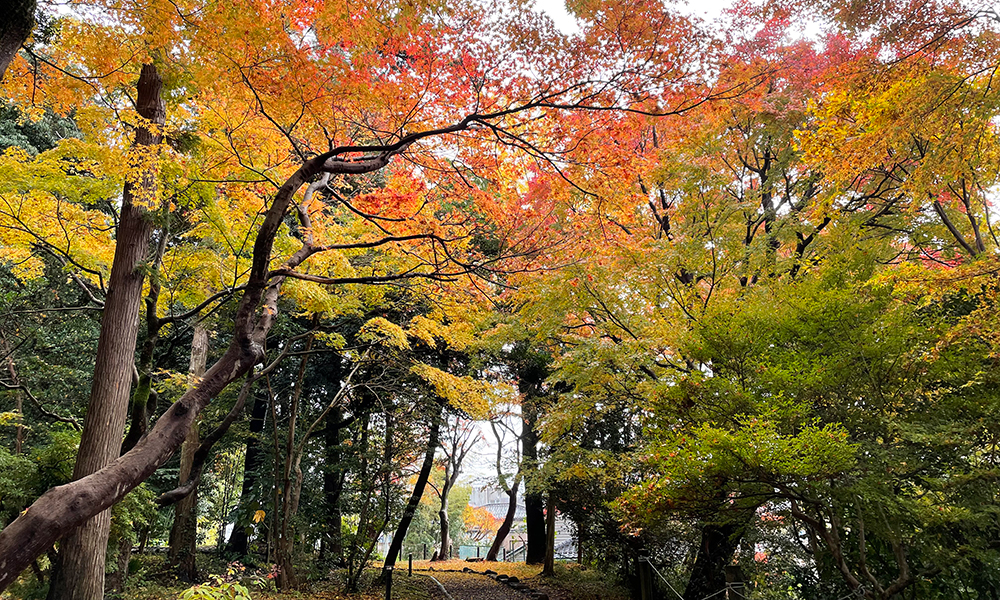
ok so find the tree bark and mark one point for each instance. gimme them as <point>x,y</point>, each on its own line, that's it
<point>239,541</point>
<point>718,543</point>
<point>445,553</point>
<point>80,575</point>
<point>550,537</point>
<point>332,546</point>
<point>17,26</point>
<point>18,395</point>
<point>534,507</point>
<point>184,532</point>
<point>418,490</point>
<point>508,522</point>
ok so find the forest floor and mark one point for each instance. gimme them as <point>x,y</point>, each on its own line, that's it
<point>571,582</point>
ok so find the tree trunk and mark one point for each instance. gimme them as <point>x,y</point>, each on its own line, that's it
<point>332,546</point>
<point>184,533</point>
<point>445,553</point>
<point>17,26</point>
<point>63,509</point>
<point>80,575</point>
<point>144,398</point>
<point>718,543</point>
<point>508,522</point>
<point>550,537</point>
<point>18,396</point>
<point>534,507</point>
<point>418,490</point>
<point>239,540</point>
<point>116,580</point>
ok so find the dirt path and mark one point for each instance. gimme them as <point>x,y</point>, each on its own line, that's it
<point>465,586</point>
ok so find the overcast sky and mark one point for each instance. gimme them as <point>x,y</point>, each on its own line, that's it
<point>556,9</point>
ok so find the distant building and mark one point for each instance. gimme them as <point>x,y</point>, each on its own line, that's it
<point>496,501</point>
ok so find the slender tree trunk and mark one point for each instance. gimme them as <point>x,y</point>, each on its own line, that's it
<point>291,482</point>
<point>534,507</point>
<point>116,580</point>
<point>445,553</point>
<point>239,541</point>
<point>508,522</point>
<point>80,573</point>
<point>184,533</point>
<point>332,546</point>
<point>418,490</point>
<point>18,396</point>
<point>550,537</point>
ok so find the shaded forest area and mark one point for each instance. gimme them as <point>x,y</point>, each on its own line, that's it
<point>721,295</point>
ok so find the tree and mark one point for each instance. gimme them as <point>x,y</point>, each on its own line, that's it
<point>80,572</point>
<point>463,435</point>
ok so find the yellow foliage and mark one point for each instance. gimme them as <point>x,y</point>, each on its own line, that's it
<point>464,393</point>
<point>384,332</point>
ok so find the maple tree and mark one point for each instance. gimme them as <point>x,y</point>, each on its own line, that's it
<point>693,243</point>
<point>303,118</point>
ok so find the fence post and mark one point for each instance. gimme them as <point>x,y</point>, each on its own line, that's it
<point>477,551</point>
<point>388,583</point>
<point>411,565</point>
<point>505,554</point>
<point>425,551</point>
<point>645,578</point>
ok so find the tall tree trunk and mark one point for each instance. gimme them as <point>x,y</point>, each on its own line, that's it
<point>534,507</point>
<point>718,544</point>
<point>550,537</point>
<point>418,490</point>
<point>291,485</point>
<point>239,540</point>
<point>508,522</point>
<point>332,546</point>
<point>144,398</point>
<point>184,533</point>
<point>80,574</point>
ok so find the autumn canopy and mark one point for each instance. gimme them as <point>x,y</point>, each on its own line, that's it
<point>715,297</point>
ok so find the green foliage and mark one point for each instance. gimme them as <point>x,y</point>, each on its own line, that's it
<point>218,591</point>
<point>33,136</point>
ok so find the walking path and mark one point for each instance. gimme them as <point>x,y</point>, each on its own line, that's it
<point>466,586</point>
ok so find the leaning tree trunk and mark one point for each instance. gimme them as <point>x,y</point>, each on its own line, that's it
<point>418,490</point>
<point>80,573</point>
<point>184,533</point>
<point>508,522</point>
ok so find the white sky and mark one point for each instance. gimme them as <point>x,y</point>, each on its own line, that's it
<point>556,10</point>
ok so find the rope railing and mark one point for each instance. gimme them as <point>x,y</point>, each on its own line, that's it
<point>858,593</point>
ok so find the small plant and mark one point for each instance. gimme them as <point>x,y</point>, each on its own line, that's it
<point>218,590</point>
<point>224,587</point>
